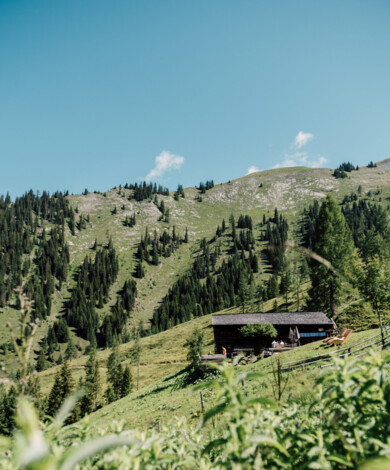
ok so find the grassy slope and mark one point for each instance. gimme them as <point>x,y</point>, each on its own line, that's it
<point>162,354</point>
<point>161,401</point>
<point>289,189</point>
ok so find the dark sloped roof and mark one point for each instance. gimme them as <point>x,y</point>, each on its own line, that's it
<point>282,318</point>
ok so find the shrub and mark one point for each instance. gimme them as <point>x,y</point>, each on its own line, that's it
<point>265,330</point>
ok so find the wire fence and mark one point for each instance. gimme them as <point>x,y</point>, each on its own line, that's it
<point>375,341</point>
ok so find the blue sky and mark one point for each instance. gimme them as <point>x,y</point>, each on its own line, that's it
<point>96,93</point>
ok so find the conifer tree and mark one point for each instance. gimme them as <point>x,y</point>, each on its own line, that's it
<point>373,281</point>
<point>285,282</point>
<point>332,242</point>
<point>273,286</point>
<point>41,361</point>
<point>61,330</point>
<point>62,388</point>
<point>243,292</point>
<point>139,270</point>
<point>91,384</point>
<point>114,370</point>
<point>136,353</point>
<point>259,293</point>
<point>127,383</point>
<point>7,410</point>
<point>71,350</point>
<point>297,280</point>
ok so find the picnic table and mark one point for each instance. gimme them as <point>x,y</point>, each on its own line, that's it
<point>277,350</point>
<point>214,358</point>
<point>245,351</point>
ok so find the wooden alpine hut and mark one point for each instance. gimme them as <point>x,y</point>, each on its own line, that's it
<point>303,326</point>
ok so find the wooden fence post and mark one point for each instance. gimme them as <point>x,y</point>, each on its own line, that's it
<point>158,426</point>
<point>201,401</point>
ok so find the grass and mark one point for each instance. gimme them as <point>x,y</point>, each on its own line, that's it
<point>161,401</point>
<point>289,189</point>
<point>162,354</point>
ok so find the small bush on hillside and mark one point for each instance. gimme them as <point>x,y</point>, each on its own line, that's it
<point>195,346</point>
<point>259,331</point>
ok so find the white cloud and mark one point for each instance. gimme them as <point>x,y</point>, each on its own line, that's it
<point>319,162</point>
<point>301,159</point>
<point>286,163</point>
<point>164,162</point>
<point>252,169</point>
<point>301,139</point>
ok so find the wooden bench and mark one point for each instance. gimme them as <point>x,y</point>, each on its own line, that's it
<point>341,340</point>
<point>343,331</point>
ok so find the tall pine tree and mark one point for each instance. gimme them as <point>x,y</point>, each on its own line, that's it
<point>62,388</point>
<point>91,384</point>
<point>333,245</point>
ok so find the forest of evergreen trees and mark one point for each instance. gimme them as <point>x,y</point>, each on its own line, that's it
<point>342,170</point>
<point>203,187</point>
<point>150,249</point>
<point>94,279</point>
<point>34,253</point>
<point>209,287</point>
<point>22,233</point>
<point>142,191</point>
<point>206,287</point>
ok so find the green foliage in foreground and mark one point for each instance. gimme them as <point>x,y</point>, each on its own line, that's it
<point>346,426</point>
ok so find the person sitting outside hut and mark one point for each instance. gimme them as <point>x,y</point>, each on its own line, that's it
<point>281,344</point>
<point>274,344</point>
<point>224,351</point>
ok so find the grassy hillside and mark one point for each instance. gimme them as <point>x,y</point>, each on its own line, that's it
<point>289,189</point>
<point>162,354</point>
<point>164,400</point>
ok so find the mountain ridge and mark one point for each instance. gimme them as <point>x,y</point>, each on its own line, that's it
<point>290,190</point>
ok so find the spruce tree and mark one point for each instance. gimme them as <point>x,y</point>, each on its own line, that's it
<point>333,253</point>
<point>71,350</point>
<point>41,361</point>
<point>7,410</point>
<point>285,282</point>
<point>109,395</point>
<point>54,398</point>
<point>127,383</point>
<point>243,292</point>
<point>91,384</point>
<point>259,293</point>
<point>136,353</point>
<point>273,287</point>
<point>62,388</point>
<point>61,330</point>
<point>114,370</point>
